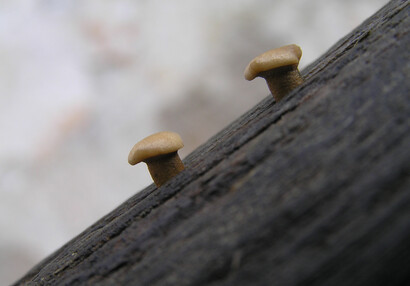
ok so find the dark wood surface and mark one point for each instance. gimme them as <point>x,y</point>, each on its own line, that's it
<point>313,190</point>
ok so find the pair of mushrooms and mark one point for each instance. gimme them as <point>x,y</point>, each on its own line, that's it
<point>279,67</point>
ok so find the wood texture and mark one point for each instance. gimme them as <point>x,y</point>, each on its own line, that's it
<point>313,190</point>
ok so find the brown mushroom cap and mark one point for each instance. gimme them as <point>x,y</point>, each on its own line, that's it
<point>280,57</point>
<point>157,144</point>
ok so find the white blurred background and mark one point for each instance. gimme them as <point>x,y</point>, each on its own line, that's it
<point>82,81</point>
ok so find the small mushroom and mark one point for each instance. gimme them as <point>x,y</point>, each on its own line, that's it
<point>160,152</point>
<point>279,67</point>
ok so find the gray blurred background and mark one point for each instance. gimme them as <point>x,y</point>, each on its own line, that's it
<point>82,81</point>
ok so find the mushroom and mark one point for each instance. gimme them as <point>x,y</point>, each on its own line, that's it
<point>279,67</point>
<point>160,152</point>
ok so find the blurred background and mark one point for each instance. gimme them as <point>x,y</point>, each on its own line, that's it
<point>82,81</point>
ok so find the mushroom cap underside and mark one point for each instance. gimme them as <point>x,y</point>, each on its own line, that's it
<point>280,57</point>
<point>157,144</point>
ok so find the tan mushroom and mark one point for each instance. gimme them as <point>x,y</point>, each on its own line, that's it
<point>279,67</point>
<point>160,152</point>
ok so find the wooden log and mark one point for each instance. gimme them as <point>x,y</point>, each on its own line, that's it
<point>313,190</point>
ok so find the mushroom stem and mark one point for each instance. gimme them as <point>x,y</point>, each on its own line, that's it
<point>164,167</point>
<point>282,80</point>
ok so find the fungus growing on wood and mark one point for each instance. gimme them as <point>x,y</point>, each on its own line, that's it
<point>279,67</point>
<point>160,152</point>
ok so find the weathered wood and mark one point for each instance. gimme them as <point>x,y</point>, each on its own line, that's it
<point>314,189</point>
